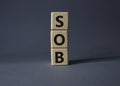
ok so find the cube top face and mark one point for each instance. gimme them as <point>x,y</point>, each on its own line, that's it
<point>59,20</point>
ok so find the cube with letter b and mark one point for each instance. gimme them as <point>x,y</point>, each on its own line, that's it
<point>59,38</point>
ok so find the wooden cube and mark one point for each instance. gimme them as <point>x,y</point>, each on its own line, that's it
<point>59,39</point>
<point>59,56</point>
<point>59,20</point>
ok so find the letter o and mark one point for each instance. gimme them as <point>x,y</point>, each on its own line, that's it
<point>55,39</point>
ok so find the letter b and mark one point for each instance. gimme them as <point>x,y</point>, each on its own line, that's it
<point>59,57</point>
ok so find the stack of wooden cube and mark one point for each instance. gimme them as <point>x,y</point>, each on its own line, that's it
<point>59,38</point>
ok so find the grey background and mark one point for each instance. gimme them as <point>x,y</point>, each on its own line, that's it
<point>94,43</point>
